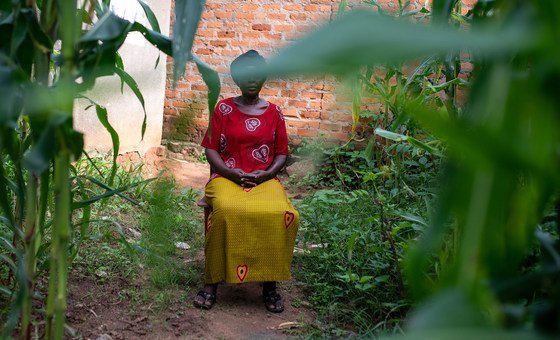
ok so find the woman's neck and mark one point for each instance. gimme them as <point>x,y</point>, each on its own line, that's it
<point>246,100</point>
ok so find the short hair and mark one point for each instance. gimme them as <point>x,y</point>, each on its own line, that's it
<point>247,59</point>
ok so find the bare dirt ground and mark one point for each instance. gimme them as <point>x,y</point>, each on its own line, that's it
<point>104,310</point>
<point>98,311</point>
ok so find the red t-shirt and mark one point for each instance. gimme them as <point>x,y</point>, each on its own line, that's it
<point>247,142</point>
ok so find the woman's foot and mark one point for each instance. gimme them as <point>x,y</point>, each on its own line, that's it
<point>206,297</point>
<point>273,301</point>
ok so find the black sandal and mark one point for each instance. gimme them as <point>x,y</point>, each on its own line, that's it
<point>207,303</point>
<point>273,302</point>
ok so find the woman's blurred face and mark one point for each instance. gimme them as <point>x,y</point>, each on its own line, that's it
<point>251,85</point>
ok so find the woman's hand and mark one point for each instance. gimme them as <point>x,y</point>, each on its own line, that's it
<point>257,177</point>
<point>237,176</point>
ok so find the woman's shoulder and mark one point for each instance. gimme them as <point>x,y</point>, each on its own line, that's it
<point>276,110</point>
<point>225,106</point>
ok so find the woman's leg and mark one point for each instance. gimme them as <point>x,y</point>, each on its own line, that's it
<point>206,296</point>
<point>272,300</point>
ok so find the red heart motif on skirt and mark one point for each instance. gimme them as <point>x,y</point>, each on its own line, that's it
<point>252,124</point>
<point>242,272</point>
<point>261,154</point>
<point>289,218</point>
<point>247,189</point>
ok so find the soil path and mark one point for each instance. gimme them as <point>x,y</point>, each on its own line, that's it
<point>101,311</point>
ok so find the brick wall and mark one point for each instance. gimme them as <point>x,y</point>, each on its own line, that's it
<point>313,106</point>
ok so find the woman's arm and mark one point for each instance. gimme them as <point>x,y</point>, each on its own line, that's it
<point>218,166</point>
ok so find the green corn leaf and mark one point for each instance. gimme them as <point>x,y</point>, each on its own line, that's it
<point>6,244</point>
<point>108,193</point>
<point>134,87</point>
<point>152,19</point>
<point>38,158</point>
<point>41,39</point>
<point>160,41</point>
<point>6,291</point>
<point>361,38</point>
<point>212,80</point>
<point>402,138</point>
<point>187,16</point>
<point>107,187</point>
<point>119,64</point>
<point>209,75</point>
<point>9,262</point>
<point>104,119</point>
<point>109,27</point>
<point>5,204</point>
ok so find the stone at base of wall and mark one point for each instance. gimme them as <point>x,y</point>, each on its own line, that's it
<point>301,167</point>
<point>150,162</point>
<point>187,151</point>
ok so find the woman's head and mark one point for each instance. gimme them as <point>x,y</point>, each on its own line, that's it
<point>249,84</point>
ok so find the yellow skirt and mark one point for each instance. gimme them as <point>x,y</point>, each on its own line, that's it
<point>250,234</point>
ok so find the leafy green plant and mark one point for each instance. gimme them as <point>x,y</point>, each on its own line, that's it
<point>51,51</point>
<point>168,228</point>
<point>501,168</point>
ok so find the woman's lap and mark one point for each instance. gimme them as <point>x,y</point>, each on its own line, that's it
<point>251,233</point>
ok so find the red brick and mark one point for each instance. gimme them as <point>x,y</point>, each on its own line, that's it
<point>199,87</point>
<point>290,112</point>
<point>298,103</point>
<point>204,51</point>
<point>293,7</point>
<point>298,16</point>
<point>311,95</point>
<point>277,16</point>
<point>213,24</point>
<point>330,126</point>
<point>343,118</point>
<point>307,133</point>
<point>272,7</point>
<point>341,136</point>
<point>232,6</point>
<point>218,43</point>
<point>247,16</point>
<point>261,27</point>
<point>223,15</point>
<point>250,7</point>
<point>226,34</point>
<point>311,114</point>
<point>315,105</point>
<point>270,92</point>
<point>283,28</point>
<point>205,33</point>
<point>297,123</point>
<point>199,106</point>
<point>289,93</point>
<point>188,94</point>
<point>313,124</point>
<point>311,8</point>
<point>179,103</point>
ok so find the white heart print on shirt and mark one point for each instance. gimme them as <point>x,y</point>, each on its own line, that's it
<point>252,124</point>
<point>223,142</point>
<point>225,108</point>
<point>261,154</point>
<point>230,163</point>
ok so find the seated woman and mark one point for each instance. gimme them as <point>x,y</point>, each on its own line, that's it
<point>252,227</point>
